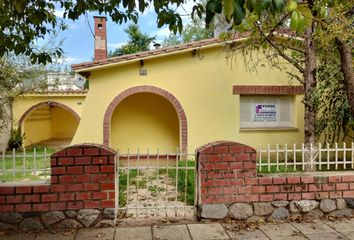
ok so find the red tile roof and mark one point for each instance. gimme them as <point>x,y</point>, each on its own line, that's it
<point>165,50</point>
<point>45,91</point>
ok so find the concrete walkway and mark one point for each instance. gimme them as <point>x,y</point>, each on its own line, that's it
<point>320,230</point>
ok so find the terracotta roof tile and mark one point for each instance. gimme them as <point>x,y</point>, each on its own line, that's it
<point>69,91</point>
<point>159,51</point>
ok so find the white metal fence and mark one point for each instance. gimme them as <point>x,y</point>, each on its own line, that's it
<point>155,184</point>
<point>290,158</point>
<point>24,165</point>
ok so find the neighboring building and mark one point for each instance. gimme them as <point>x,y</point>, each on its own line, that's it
<point>61,81</point>
<point>177,97</point>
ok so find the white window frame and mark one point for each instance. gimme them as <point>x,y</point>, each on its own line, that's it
<point>254,99</point>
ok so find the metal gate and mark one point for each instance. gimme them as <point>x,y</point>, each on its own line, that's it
<point>155,185</point>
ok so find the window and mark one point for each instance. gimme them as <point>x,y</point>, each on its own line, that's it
<point>266,111</point>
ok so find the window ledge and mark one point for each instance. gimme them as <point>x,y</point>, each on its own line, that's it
<point>268,129</point>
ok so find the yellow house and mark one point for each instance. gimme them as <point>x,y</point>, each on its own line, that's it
<point>177,97</point>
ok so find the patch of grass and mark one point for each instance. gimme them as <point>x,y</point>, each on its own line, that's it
<point>154,189</point>
<point>298,168</point>
<point>185,181</point>
<point>10,177</point>
<point>24,165</point>
<point>139,182</point>
<point>123,183</point>
<point>281,169</point>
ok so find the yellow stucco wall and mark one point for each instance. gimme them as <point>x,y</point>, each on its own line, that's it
<point>63,124</point>
<point>37,126</point>
<point>58,124</point>
<point>47,122</point>
<point>24,102</point>
<point>145,120</point>
<point>203,85</point>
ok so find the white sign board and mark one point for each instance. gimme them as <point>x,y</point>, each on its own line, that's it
<point>265,112</point>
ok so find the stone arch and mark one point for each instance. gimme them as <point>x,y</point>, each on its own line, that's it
<point>50,103</point>
<point>146,89</point>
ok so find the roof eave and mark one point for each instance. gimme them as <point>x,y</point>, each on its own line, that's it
<point>78,68</point>
<point>114,64</point>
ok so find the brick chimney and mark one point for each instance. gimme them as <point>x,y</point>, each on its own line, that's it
<point>100,38</point>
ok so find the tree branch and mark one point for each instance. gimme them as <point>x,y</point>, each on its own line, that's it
<point>281,53</point>
<point>293,48</point>
<point>275,27</point>
<point>296,77</point>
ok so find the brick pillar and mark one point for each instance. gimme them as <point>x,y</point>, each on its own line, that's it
<point>225,172</point>
<point>100,38</point>
<point>82,176</point>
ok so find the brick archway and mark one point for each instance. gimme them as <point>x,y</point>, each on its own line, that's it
<point>146,89</point>
<point>50,103</point>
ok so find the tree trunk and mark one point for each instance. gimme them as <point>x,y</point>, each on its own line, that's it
<point>347,70</point>
<point>309,87</point>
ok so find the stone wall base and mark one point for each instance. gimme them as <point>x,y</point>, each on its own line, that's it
<point>35,221</point>
<point>279,210</point>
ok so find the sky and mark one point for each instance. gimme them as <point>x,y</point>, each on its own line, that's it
<point>78,41</point>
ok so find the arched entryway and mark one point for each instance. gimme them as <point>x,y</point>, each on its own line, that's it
<point>145,117</point>
<point>49,123</point>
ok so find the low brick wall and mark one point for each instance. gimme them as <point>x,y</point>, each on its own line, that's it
<point>81,190</point>
<point>227,175</point>
<point>82,177</point>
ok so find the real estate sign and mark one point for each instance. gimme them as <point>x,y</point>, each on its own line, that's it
<point>265,112</point>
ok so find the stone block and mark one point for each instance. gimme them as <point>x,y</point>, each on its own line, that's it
<point>240,211</point>
<point>213,211</point>
<point>262,209</point>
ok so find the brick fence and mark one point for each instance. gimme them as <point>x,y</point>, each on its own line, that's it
<point>82,176</point>
<point>227,174</point>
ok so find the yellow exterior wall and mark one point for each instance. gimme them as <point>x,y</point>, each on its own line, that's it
<point>60,124</point>
<point>37,126</point>
<point>203,85</point>
<point>63,123</point>
<point>145,120</point>
<point>24,102</point>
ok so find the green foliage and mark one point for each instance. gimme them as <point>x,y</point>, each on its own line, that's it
<point>334,121</point>
<point>16,140</point>
<point>330,20</point>
<point>17,75</point>
<point>23,22</point>
<point>235,11</point>
<point>185,181</point>
<point>193,31</point>
<point>138,42</point>
<point>123,184</point>
<point>28,164</point>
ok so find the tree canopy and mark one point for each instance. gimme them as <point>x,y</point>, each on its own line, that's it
<point>321,24</point>
<point>23,22</point>
<point>319,44</point>
<point>193,31</point>
<point>138,42</point>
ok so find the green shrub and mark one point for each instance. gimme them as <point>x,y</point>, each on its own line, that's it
<point>16,140</point>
